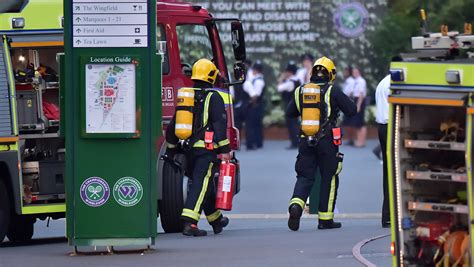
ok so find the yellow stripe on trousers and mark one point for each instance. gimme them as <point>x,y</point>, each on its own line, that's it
<point>197,208</point>
<point>211,218</point>
<point>190,214</point>
<point>297,201</point>
<point>332,193</point>
<point>325,216</point>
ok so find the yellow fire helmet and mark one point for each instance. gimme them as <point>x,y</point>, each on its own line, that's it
<point>324,64</point>
<point>204,70</point>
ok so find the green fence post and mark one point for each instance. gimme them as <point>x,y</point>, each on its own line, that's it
<point>314,196</point>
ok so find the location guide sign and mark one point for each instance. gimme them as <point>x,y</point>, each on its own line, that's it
<point>110,23</point>
<point>110,95</point>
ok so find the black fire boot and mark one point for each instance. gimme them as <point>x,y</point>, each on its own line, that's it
<point>191,229</point>
<point>219,224</point>
<point>295,214</point>
<point>328,224</point>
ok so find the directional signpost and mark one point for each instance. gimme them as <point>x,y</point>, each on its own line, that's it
<point>110,24</point>
<point>112,101</point>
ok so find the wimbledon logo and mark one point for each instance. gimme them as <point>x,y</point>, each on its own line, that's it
<point>95,191</point>
<point>128,191</point>
<point>351,19</point>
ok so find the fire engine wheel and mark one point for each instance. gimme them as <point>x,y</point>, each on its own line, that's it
<point>4,211</point>
<point>175,188</point>
<point>21,228</point>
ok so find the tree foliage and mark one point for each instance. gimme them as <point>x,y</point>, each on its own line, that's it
<point>402,21</point>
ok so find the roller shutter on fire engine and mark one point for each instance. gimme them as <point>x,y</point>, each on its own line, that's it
<point>6,127</point>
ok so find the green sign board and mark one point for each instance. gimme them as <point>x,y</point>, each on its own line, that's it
<point>112,98</point>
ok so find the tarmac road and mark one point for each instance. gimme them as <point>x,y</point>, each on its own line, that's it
<point>268,178</point>
<point>244,243</point>
<point>257,234</point>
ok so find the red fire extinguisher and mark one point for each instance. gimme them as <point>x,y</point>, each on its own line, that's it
<point>225,186</point>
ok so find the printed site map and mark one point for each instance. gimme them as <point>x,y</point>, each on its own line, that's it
<point>110,98</point>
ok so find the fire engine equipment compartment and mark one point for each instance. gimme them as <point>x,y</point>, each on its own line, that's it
<point>430,138</point>
<point>36,82</point>
<point>431,168</point>
<point>37,90</point>
<point>429,149</point>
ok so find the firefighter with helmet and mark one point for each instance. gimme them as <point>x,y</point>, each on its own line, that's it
<point>318,103</point>
<point>198,130</point>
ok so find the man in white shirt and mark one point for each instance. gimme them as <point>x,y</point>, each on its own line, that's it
<point>255,88</point>
<point>249,64</point>
<point>381,116</point>
<point>241,98</point>
<point>287,84</point>
<point>304,73</point>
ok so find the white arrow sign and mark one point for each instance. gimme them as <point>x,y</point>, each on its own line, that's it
<point>111,30</point>
<point>104,8</point>
<point>110,23</point>
<point>111,41</point>
<point>107,19</point>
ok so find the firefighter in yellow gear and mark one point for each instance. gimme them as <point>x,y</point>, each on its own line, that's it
<point>199,130</point>
<point>318,103</point>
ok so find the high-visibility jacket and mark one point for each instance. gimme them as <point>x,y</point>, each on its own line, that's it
<point>333,101</point>
<point>209,115</point>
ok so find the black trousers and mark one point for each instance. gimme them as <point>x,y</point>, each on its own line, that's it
<point>293,129</point>
<point>325,156</point>
<point>383,146</point>
<point>292,123</point>
<point>239,114</point>
<point>203,169</point>
<point>254,125</point>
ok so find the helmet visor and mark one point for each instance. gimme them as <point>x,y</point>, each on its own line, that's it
<point>320,72</point>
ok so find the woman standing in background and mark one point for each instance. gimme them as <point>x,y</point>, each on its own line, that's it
<point>359,93</point>
<point>348,89</point>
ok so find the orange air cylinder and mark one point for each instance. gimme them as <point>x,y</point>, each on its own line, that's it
<point>310,114</point>
<point>184,113</point>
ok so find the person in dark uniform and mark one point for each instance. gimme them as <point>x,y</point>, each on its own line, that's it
<point>241,99</point>
<point>287,83</point>
<point>322,149</point>
<point>207,143</point>
<point>381,116</point>
<point>255,88</point>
